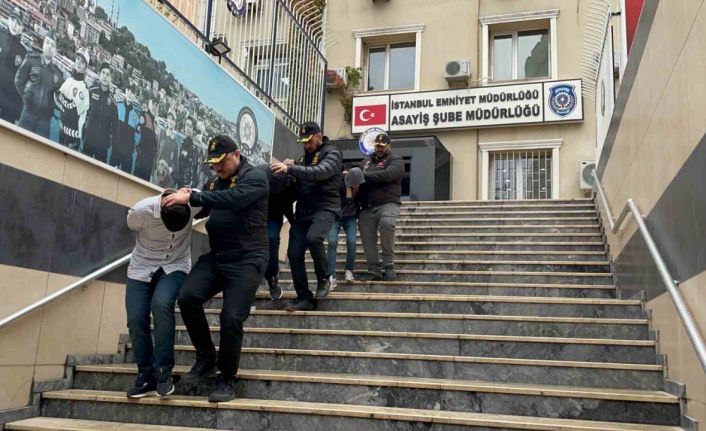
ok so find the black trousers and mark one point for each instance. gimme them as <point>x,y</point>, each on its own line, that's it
<point>238,278</point>
<point>309,232</point>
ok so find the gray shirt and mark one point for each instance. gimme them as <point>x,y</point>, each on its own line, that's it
<point>156,247</point>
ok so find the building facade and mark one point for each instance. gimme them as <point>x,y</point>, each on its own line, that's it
<point>458,71</point>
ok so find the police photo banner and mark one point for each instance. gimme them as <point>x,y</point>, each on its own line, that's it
<point>115,80</point>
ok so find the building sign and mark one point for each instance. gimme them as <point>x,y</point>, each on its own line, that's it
<point>491,106</point>
<point>129,89</point>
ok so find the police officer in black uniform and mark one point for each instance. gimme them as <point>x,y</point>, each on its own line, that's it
<point>36,81</point>
<point>187,174</point>
<point>236,200</point>
<point>317,176</point>
<point>12,53</point>
<point>102,119</point>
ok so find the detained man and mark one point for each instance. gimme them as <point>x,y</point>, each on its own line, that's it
<point>159,265</point>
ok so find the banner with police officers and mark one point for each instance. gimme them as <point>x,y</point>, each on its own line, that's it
<point>116,81</point>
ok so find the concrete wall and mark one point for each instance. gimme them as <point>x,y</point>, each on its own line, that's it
<point>655,153</point>
<point>87,320</point>
<point>452,31</point>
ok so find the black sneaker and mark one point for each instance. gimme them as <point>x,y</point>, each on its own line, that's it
<point>325,286</point>
<point>224,390</point>
<point>165,386</point>
<point>275,288</point>
<point>389,273</point>
<point>300,305</point>
<point>205,366</point>
<point>144,387</point>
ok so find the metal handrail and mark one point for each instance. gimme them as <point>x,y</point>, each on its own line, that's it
<point>669,282</point>
<point>75,285</point>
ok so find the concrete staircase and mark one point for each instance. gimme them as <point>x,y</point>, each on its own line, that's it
<point>504,317</point>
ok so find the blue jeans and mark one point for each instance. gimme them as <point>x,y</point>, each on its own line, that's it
<point>157,297</point>
<point>349,226</point>
<point>274,227</point>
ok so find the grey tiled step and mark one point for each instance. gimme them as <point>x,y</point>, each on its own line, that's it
<point>497,221</point>
<point>442,288</point>
<point>519,229</point>
<point>490,265</point>
<point>461,304</point>
<point>534,371</point>
<point>581,201</point>
<point>493,255</point>
<point>499,237</point>
<point>568,349</point>
<point>654,407</point>
<point>488,245</point>
<point>484,276</point>
<point>631,329</point>
<point>61,424</point>
<point>541,209</point>
<point>279,415</point>
<point>451,214</point>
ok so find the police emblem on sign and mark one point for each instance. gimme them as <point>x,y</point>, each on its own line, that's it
<point>562,99</point>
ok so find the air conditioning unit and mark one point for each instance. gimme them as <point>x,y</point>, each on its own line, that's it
<point>585,177</point>
<point>335,78</point>
<point>457,71</point>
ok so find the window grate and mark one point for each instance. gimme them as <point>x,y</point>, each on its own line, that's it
<point>522,174</point>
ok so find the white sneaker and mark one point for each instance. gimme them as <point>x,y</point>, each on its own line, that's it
<point>334,283</point>
<point>349,276</point>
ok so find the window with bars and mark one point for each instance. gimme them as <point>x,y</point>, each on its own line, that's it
<point>520,174</point>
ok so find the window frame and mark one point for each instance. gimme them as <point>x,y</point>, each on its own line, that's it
<point>486,40</point>
<point>386,77</point>
<point>486,148</point>
<point>414,31</point>
<point>515,51</point>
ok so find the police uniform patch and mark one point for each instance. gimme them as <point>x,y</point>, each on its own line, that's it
<point>80,95</point>
<point>315,161</point>
<point>56,78</point>
<point>233,182</point>
<point>95,96</point>
<point>18,60</point>
<point>211,186</point>
<point>213,146</point>
<point>75,92</point>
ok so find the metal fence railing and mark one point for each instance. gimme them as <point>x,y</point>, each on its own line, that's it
<point>275,50</point>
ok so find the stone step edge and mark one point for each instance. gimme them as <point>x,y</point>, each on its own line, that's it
<point>502,226</point>
<point>499,201</point>
<point>500,243</point>
<point>442,316</point>
<point>502,234</point>
<point>450,272</point>
<point>443,336</point>
<point>342,248</point>
<point>556,207</point>
<point>43,423</point>
<point>587,212</point>
<point>439,358</point>
<point>367,412</point>
<point>488,262</point>
<point>402,217</point>
<point>336,295</point>
<point>424,383</point>
<point>468,284</point>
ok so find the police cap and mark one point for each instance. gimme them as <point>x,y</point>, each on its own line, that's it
<point>218,147</point>
<point>307,130</point>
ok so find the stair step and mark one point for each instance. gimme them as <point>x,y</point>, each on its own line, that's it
<point>439,322</point>
<point>618,405</point>
<point>491,255</point>
<point>563,228</point>
<point>281,414</point>
<point>531,238</point>
<point>405,220</point>
<point>501,202</point>
<point>526,347</point>
<point>461,288</point>
<point>501,246</point>
<point>406,213</point>
<point>495,265</point>
<point>503,207</point>
<point>460,304</point>
<point>61,424</point>
<point>563,277</point>
<point>534,371</point>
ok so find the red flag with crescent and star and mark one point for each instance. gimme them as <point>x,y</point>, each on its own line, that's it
<point>370,115</point>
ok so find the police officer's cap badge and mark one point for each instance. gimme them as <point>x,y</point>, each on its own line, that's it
<point>562,99</point>
<point>212,146</point>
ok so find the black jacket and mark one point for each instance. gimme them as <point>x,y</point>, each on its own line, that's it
<point>237,210</point>
<point>383,180</point>
<point>282,195</point>
<point>318,177</point>
<point>101,125</point>
<point>36,82</point>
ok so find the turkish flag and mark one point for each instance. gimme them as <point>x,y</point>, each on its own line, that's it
<point>370,115</point>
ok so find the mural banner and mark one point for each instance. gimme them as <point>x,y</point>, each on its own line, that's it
<point>113,79</point>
